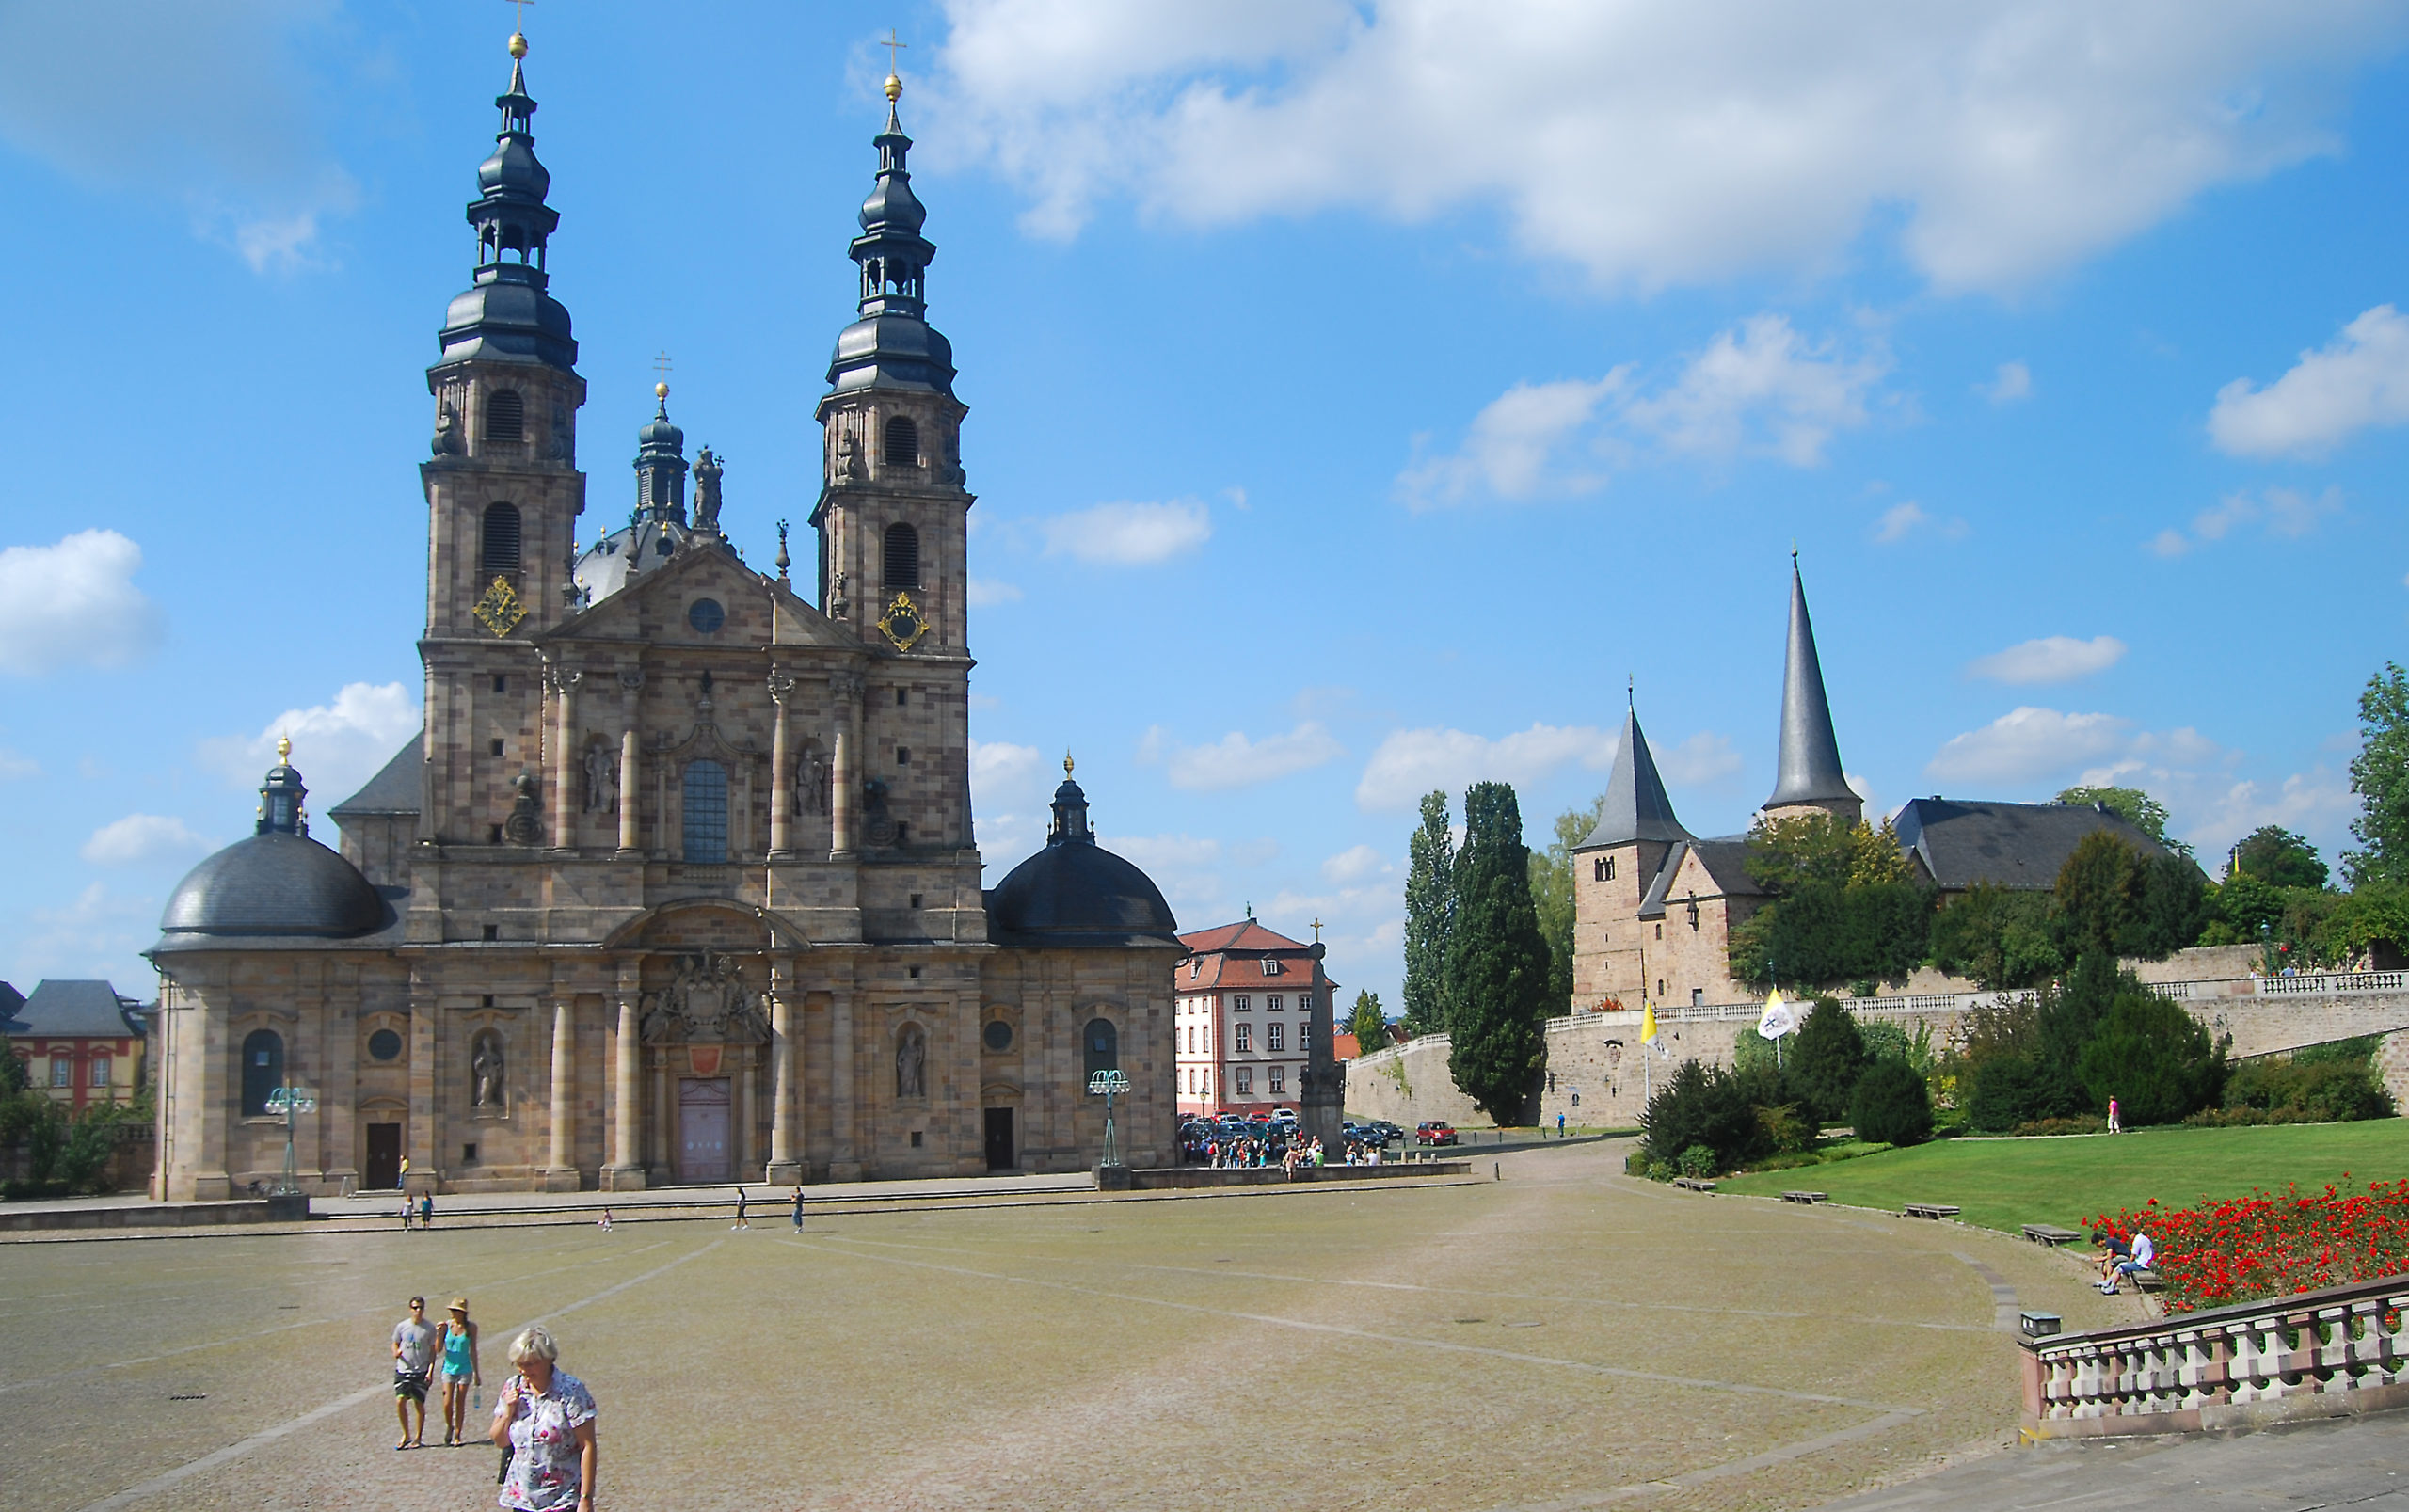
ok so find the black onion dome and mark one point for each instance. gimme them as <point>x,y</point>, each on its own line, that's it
<point>1075,894</point>
<point>273,884</point>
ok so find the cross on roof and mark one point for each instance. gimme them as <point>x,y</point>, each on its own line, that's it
<point>660,365</point>
<point>893,46</point>
<point>519,14</point>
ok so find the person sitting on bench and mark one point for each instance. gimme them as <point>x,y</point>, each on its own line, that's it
<point>2142,1258</point>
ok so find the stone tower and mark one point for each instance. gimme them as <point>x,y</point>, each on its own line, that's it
<point>1614,869</point>
<point>503,496</point>
<point>1808,772</point>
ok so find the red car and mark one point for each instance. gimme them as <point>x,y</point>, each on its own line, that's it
<point>1434,1132</point>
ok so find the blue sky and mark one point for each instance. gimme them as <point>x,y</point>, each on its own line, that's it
<point>1359,394</point>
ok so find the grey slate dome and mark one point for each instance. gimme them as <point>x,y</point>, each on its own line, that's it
<point>274,884</point>
<point>1075,894</point>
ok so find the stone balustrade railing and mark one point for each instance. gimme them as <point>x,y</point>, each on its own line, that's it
<point>2318,1354</point>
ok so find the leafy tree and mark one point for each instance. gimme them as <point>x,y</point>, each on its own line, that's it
<point>1843,911</point>
<point>1497,962</point>
<point>1797,848</point>
<point>2279,858</point>
<point>2112,900</point>
<point>1429,914</point>
<point>1826,1057</point>
<point>1998,937</point>
<point>2132,806</point>
<point>2249,907</point>
<point>1552,895</point>
<point>1369,1025</point>
<point>1702,1106</point>
<point>1890,1103</point>
<point>2157,1060</point>
<point>13,1077</point>
<point>2380,776</point>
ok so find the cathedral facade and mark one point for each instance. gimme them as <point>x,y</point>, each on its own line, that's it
<point>679,882</point>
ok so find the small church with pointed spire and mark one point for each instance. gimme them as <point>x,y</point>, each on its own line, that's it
<point>678,881</point>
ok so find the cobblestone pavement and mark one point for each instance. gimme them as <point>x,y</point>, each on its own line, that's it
<point>1562,1338</point>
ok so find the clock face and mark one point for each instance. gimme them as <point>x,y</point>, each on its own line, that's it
<point>902,622</point>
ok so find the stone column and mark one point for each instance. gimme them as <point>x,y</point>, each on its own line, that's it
<point>846,690</point>
<point>664,1123</point>
<point>784,1164</point>
<point>748,1110</point>
<point>565,769</point>
<point>629,769</point>
<point>1323,1098</point>
<point>627,1143</point>
<point>843,1164</point>
<point>560,1171</point>
<point>781,768</point>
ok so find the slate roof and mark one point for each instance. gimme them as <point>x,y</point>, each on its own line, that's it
<point>1725,860</point>
<point>1637,805</point>
<point>394,789</point>
<point>1963,841</point>
<point>76,1009</point>
<point>1808,767</point>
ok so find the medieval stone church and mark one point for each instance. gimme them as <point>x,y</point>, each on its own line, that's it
<point>679,882</point>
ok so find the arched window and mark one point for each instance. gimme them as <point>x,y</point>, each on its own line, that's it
<point>1101,1043</point>
<point>506,415</point>
<point>500,543</point>
<point>903,443</point>
<point>262,1069</point>
<point>902,557</point>
<point>706,793</point>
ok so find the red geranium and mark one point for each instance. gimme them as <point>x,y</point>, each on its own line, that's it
<point>2242,1248</point>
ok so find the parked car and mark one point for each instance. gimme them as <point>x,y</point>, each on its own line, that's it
<point>1284,1117</point>
<point>1382,1131</point>
<point>1434,1133</point>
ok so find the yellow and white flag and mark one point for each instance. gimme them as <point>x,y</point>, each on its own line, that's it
<point>1646,1023</point>
<point>1779,1018</point>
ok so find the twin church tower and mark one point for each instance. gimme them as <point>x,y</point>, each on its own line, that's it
<point>678,882</point>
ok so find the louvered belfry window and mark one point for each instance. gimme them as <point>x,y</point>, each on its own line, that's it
<point>505,415</point>
<point>903,448</point>
<point>501,544</point>
<point>902,557</point>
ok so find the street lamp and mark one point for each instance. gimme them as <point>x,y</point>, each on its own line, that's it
<point>291,1101</point>
<point>1109,1085</point>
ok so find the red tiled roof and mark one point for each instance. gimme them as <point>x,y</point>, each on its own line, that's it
<point>1244,935</point>
<point>1343,1046</point>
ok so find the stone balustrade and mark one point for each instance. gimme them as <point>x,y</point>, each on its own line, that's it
<point>2327,1353</point>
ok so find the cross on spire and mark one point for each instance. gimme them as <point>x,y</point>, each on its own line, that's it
<point>661,366</point>
<point>893,46</point>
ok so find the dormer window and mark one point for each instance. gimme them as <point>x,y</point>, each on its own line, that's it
<point>1271,967</point>
<point>505,415</point>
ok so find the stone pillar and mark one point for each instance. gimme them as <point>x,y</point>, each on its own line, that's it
<point>843,1162</point>
<point>629,768</point>
<point>785,1164</point>
<point>1323,1098</point>
<point>627,1143</point>
<point>664,1123</point>
<point>781,770</point>
<point>748,1110</point>
<point>846,692</point>
<point>560,1171</point>
<point>565,769</point>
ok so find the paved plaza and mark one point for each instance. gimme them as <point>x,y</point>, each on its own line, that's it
<point>1564,1337</point>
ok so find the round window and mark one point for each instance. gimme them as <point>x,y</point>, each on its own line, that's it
<point>384,1045</point>
<point>706,615</point>
<point>999,1035</point>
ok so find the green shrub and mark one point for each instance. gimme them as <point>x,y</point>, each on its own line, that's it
<point>1701,1105</point>
<point>1787,1130</point>
<point>1697,1161</point>
<point>1892,1105</point>
<point>1662,1170</point>
<point>1635,1163</point>
<point>2079,1123</point>
<point>2155,1060</point>
<point>2320,1091</point>
<point>2008,1090</point>
<point>1826,1058</point>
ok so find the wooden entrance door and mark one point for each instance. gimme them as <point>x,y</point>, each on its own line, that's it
<point>703,1129</point>
<point>383,1171</point>
<point>999,1138</point>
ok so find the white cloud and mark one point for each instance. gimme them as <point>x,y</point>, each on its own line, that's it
<point>1703,758</point>
<point>1354,864</point>
<point>336,746</point>
<point>2359,379</point>
<point>2028,744</point>
<point>99,934</point>
<point>1237,761</point>
<point>13,765</point>
<point>214,107</point>
<point>1128,534</point>
<point>1008,792</point>
<point>2286,513</point>
<point>1758,389</point>
<point>142,837</point>
<point>1905,518</point>
<point>1410,763</point>
<point>73,605</point>
<point>2051,659</point>
<point>1657,145</point>
<point>2013,381</point>
<point>986,593</point>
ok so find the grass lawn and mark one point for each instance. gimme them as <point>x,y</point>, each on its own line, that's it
<point>2005,1183</point>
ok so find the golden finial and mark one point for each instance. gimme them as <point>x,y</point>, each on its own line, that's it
<point>894,71</point>
<point>518,27</point>
<point>661,390</point>
<point>283,749</point>
<point>518,44</point>
<point>1067,763</point>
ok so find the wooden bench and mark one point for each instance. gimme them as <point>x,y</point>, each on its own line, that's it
<point>2049,1234</point>
<point>1809,1197</point>
<point>1693,1184</point>
<point>1930,1210</point>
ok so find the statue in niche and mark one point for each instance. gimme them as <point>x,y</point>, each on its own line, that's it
<point>878,826</point>
<point>484,1072</point>
<point>525,825</point>
<point>707,475</point>
<point>564,446</point>
<point>706,1001</point>
<point>602,779</point>
<point>849,457</point>
<point>911,1063</point>
<point>837,606</point>
<point>447,440</point>
<point>811,781</point>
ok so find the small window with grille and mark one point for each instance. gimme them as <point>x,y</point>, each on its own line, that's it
<point>902,562</point>
<point>902,449</point>
<point>505,415</point>
<point>500,538</point>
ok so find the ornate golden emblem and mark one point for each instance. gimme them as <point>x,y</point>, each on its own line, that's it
<point>500,609</point>
<point>902,622</point>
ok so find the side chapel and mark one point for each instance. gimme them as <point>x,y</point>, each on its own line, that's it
<point>679,882</point>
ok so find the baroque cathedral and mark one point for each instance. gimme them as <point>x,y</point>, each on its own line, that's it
<point>677,882</point>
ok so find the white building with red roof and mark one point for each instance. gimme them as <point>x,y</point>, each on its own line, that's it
<point>1252,1005</point>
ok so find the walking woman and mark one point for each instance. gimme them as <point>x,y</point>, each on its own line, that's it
<point>544,1418</point>
<point>457,1338</point>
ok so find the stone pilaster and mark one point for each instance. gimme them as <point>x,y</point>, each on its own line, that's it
<point>560,1170</point>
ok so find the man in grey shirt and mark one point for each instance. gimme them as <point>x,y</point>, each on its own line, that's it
<point>413,1366</point>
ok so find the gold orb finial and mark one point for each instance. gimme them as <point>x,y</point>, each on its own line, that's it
<point>894,88</point>
<point>283,748</point>
<point>519,44</point>
<point>1067,763</point>
<point>661,390</point>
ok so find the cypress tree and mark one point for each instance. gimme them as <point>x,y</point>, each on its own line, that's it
<point>1429,914</point>
<point>1498,960</point>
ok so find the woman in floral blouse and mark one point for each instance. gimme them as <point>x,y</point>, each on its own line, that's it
<point>544,1418</point>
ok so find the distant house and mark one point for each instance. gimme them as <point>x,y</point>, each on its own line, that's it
<point>1957,843</point>
<point>81,1042</point>
<point>1249,1002</point>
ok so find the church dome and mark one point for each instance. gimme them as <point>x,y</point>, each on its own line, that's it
<point>1075,894</point>
<point>646,546</point>
<point>273,884</point>
<point>512,168</point>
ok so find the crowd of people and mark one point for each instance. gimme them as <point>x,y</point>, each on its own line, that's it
<point>543,1421</point>
<point>1270,1144</point>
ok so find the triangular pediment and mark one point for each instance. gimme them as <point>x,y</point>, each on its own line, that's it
<point>704,596</point>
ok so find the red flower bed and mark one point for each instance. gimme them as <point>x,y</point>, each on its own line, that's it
<point>2246,1248</point>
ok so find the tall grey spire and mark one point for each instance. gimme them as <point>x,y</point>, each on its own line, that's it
<point>1636,807</point>
<point>1808,770</point>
